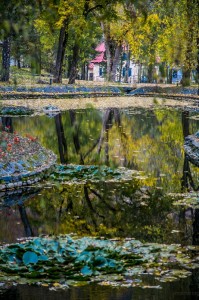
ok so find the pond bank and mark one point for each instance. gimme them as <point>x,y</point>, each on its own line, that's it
<point>100,103</point>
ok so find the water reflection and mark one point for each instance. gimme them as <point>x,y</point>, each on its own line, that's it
<point>149,141</point>
<point>14,219</point>
<point>7,124</point>
<point>173,291</point>
<point>62,144</point>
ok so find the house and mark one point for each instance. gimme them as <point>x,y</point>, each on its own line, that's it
<point>126,71</point>
<point>96,67</point>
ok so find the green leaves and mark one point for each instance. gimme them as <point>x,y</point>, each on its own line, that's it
<point>82,173</point>
<point>86,271</point>
<point>100,260</point>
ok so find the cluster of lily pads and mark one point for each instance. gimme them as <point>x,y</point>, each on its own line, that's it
<point>83,173</point>
<point>186,199</point>
<point>68,260</point>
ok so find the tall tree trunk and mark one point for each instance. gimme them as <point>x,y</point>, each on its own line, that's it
<point>127,67</point>
<point>190,40</point>
<point>18,63</point>
<point>197,68</point>
<point>170,75</point>
<point>74,64</point>
<point>107,41</point>
<point>63,37</point>
<point>150,73</point>
<point>83,75</point>
<point>186,76</point>
<point>6,60</point>
<point>116,60</point>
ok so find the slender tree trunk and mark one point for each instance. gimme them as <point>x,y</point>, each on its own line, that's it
<point>127,67</point>
<point>120,71</point>
<point>116,60</point>
<point>6,60</point>
<point>74,64</point>
<point>170,76</point>
<point>83,75</point>
<point>197,69</point>
<point>190,40</point>
<point>18,63</point>
<point>186,76</point>
<point>107,41</point>
<point>150,73</point>
<point>63,37</point>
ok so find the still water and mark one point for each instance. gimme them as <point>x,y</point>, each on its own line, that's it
<point>150,141</point>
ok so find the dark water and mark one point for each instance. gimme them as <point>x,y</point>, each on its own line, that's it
<point>150,141</point>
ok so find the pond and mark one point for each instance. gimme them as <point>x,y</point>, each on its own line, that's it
<point>152,207</point>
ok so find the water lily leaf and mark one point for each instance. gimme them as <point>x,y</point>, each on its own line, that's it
<point>43,257</point>
<point>86,271</point>
<point>30,258</point>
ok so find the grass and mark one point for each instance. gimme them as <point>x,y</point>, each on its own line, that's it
<point>24,77</point>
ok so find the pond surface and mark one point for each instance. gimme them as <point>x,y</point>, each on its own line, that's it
<point>146,140</point>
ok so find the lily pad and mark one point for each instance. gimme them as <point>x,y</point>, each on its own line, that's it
<point>30,258</point>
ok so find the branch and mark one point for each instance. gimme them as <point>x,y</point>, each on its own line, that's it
<point>101,198</point>
<point>87,11</point>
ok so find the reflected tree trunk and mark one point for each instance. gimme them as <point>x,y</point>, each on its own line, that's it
<point>76,135</point>
<point>196,228</point>
<point>185,123</point>
<point>187,181</point>
<point>107,124</point>
<point>25,221</point>
<point>7,124</point>
<point>63,150</point>
<point>103,200</point>
<point>107,147</point>
<point>194,286</point>
<point>186,177</point>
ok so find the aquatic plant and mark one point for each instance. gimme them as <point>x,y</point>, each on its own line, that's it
<point>68,260</point>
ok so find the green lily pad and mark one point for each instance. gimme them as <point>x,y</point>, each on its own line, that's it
<point>30,258</point>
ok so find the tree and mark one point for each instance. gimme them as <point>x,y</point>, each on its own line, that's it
<point>16,18</point>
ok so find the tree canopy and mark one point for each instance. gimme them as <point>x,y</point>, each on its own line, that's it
<point>60,36</point>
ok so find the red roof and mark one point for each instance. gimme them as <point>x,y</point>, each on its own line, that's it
<point>99,58</point>
<point>100,47</point>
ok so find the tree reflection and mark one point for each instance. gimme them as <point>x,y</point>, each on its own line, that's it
<point>188,184</point>
<point>7,124</point>
<point>62,145</point>
<point>76,141</point>
<point>25,221</point>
